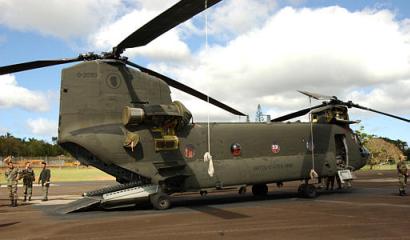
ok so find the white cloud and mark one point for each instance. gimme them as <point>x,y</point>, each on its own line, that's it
<point>239,16</point>
<point>42,127</point>
<point>13,95</point>
<point>58,18</point>
<point>386,97</point>
<point>168,47</point>
<point>327,50</point>
<point>362,55</point>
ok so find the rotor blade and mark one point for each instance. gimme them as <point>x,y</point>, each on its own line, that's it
<point>372,110</point>
<point>296,114</point>
<point>186,89</point>
<point>317,96</point>
<point>180,12</point>
<point>35,64</point>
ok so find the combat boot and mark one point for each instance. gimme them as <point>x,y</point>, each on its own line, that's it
<point>11,202</point>
<point>14,203</point>
<point>29,198</point>
<point>25,199</point>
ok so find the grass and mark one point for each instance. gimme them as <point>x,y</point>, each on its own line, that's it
<point>69,174</point>
<point>82,174</point>
<point>380,167</point>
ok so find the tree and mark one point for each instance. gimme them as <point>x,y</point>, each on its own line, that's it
<point>383,149</point>
<point>259,115</point>
<point>364,137</point>
<point>407,153</point>
<point>10,145</point>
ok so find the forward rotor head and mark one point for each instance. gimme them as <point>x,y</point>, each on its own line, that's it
<point>330,101</point>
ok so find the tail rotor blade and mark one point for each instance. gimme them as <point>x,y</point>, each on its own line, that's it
<point>35,64</point>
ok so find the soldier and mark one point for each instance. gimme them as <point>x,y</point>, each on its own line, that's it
<point>45,180</point>
<point>12,176</point>
<point>330,181</point>
<point>402,171</point>
<point>28,179</point>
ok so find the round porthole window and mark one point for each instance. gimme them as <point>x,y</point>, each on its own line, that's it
<point>189,151</point>
<point>236,149</point>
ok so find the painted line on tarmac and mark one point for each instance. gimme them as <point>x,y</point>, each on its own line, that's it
<point>365,204</point>
<point>52,200</point>
<point>34,185</point>
<point>377,180</point>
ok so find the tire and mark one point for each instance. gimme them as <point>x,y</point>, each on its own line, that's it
<point>300,189</point>
<point>160,201</point>
<point>309,191</point>
<point>242,190</point>
<point>260,190</point>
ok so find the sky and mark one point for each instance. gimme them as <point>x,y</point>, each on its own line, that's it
<point>248,52</point>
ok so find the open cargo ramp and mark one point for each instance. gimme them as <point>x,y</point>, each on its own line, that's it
<point>81,204</point>
<point>112,197</point>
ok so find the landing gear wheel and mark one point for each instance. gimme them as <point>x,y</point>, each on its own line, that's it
<point>160,201</point>
<point>203,193</point>
<point>307,190</point>
<point>242,190</point>
<point>260,190</point>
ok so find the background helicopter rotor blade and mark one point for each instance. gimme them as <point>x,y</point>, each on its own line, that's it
<point>317,96</point>
<point>332,101</point>
<point>186,89</point>
<point>36,64</point>
<point>180,12</point>
<point>296,114</point>
<point>350,104</point>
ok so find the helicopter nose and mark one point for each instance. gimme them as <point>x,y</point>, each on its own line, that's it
<point>365,155</point>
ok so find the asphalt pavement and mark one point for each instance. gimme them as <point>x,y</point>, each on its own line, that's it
<point>372,209</point>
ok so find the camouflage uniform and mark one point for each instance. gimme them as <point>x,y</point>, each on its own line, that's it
<point>45,182</point>
<point>12,176</point>
<point>28,179</point>
<point>402,171</point>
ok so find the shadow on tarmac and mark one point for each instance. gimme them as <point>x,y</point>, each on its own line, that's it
<point>211,204</point>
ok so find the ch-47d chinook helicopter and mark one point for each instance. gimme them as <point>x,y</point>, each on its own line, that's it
<point>119,117</point>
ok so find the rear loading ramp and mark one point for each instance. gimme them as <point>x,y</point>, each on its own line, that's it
<point>82,204</point>
<point>112,197</point>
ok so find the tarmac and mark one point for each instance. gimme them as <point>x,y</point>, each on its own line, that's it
<point>372,209</point>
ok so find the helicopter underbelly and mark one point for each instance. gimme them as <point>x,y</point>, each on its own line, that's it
<point>228,172</point>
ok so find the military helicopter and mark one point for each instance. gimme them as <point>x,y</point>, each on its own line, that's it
<point>119,117</point>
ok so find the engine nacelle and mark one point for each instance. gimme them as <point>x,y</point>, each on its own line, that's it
<point>132,116</point>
